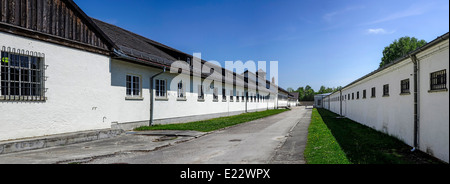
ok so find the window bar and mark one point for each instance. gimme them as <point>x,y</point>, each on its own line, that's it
<point>9,73</point>
<point>42,72</point>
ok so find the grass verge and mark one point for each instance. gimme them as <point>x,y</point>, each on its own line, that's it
<point>216,123</point>
<point>361,144</point>
<point>322,147</point>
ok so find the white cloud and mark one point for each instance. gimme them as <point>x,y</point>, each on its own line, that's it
<point>330,16</point>
<point>413,10</point>
<point>379,31</point>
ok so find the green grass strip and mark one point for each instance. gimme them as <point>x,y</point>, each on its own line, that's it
<point>216,123</point>
<point>322,147</point>
<point>333,140</point>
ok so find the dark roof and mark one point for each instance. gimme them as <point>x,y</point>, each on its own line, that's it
<point>134,45</point>
<point>147,51</point>
<point>294,94</point>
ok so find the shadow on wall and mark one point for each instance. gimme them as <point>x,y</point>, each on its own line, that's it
<point>364,145</point>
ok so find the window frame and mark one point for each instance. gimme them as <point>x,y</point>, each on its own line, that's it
<point>200,93</point>
<point>224,95</point>
<point>215,94</point>
<point>181,93</point>
<point>438,81</point>
<point>405,86</point>
<point>386,90</point>
<point>373,93</point>
<point>132,88</point>
<point>159,91</point>
<point>30,66</point>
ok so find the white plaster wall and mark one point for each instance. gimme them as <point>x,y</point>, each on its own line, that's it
<point>434,106</point>
<point>391,114</point>
<point>394,114</point>
<point>78,93</point>
<point>139,110</point>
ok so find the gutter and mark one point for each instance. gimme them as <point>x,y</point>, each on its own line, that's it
<point>416,100</point>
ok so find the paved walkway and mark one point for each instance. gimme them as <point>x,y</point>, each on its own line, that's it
<point>277,133</point>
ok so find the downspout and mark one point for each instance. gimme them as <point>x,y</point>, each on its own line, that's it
<point>151,95</point>
<point>416,101</point>
<point>340,101</point>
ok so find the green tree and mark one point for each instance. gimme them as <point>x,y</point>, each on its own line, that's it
<point>309,93</point>
<point>400,48</point>
<point>301,93</point>
<point>322,90</point>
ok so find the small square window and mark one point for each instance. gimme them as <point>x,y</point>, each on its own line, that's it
<point>404,86</point>
<point>386,90</point>
<point>438,80</point>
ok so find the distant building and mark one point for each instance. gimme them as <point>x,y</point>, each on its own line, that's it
<point>318,100</point>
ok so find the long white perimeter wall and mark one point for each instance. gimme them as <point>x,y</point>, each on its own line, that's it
<point>394,114</point>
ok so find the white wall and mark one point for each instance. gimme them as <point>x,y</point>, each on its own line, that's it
<point>434,106</point>
<point>78,94</point>
<point>125,110</point>
<point>394,114</point>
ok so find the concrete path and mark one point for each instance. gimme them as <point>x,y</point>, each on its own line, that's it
<point>275,139</point>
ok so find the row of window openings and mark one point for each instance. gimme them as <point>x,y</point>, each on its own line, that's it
<point>437,82</point>
<point>133,89</point>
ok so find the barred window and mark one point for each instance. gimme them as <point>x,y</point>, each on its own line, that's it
<point>386,90</point>
<point>404,86</point>
<point>438,80</point>
<point>22,76</point>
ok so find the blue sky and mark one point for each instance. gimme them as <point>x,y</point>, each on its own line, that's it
<point>316,42</point>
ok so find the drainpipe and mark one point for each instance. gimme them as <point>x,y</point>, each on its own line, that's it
<point>340,101</point>
<point>416,101</point>
<point>151,95</point>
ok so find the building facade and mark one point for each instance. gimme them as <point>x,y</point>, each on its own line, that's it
<point>62,71</point>
<point>407,99</point>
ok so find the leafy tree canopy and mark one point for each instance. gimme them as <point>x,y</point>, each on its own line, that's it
<point>400,48</point>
